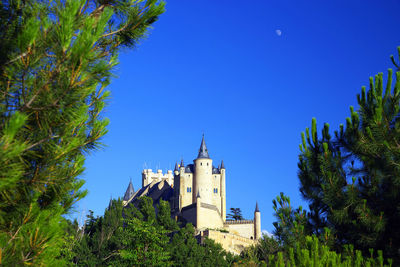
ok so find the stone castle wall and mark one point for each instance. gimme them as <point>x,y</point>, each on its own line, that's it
<point>230,242</point>
<point>243,228</point>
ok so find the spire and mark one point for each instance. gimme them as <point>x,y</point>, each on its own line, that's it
<point>198,194</point>
<point>110,204</point>
<point>257,210</point>
<point>176,167</point>
<point>182,165</point>
<point>129,191</point>
<point>222,164</point>
<point>203,152</point>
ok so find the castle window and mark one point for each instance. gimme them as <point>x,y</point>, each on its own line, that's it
<point>201,164</point>
<point>207,163</point>
<point>188,189</point>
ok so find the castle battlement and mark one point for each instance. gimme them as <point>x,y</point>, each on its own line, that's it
<point>148,177</point>
<point>238,222</point>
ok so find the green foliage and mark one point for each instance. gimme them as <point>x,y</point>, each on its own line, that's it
<point>235,214</point>
<point>311,252</point>
<point>143,244</point>
<point>56,59</point>
<point>127,237</point>
<point>291,225</point>
<point>164,216</point>
<point>352,181</point>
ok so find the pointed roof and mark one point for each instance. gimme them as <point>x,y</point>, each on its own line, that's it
<point>129,191</point>
<point>257,210</point>
<point>203,152</point>
<point>110,204</point>
<point>176,166</point>
<point>222,164</point>
<point>198,194</point>
<point>182,165</point>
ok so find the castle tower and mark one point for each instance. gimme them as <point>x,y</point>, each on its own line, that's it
<point>223,192</point>
<point>202,175</point>
<point>257,223</point>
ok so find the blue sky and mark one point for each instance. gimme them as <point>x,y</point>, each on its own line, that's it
<point>221,68</point>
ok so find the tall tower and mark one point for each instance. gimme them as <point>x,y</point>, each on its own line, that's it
<point>257,223</point>
<point>203,174</point>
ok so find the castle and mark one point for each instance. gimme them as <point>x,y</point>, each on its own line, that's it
<point>197,194</point>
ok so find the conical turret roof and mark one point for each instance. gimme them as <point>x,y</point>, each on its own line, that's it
<point>257,210</point>
<point>203,152</point>
<point>182,165</point>
<point>110,204</point>
<point>129,191</point>
<point>222,165</point>
<point>176,167</point>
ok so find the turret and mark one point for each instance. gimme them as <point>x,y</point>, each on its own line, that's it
<point>129,191</point>
<point>223,191</point>
<point>176,170</point>
<point>203,173</point>
<point>257,223</point>
<point>198,204</point>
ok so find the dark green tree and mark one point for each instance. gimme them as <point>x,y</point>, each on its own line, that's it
<point>352,181</point>
<point>143,244</point>
<point>56,60</point>
<point>235,214</point>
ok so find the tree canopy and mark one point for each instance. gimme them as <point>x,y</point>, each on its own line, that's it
<point>56,61</point>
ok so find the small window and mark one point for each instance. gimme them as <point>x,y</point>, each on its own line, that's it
<point>201,164</point>
<point>207,163</point>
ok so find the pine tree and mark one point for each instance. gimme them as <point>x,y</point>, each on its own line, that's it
<point>352,181</point>
<point>291,225</point>
<point>235,214</point>
<point>56,60</point>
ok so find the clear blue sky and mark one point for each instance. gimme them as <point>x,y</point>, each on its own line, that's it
<point>221,68</point>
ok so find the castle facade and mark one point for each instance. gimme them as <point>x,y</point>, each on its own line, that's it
<point>197,195</point>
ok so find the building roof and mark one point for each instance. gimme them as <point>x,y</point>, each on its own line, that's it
<point>222,164</point>
<point>156,191</point>
<point>129,191</point>
<point>257,210</point>
<point>203,152</point>
<point>215,170</point>
<point>176,167</point>
<point>189,168</point>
